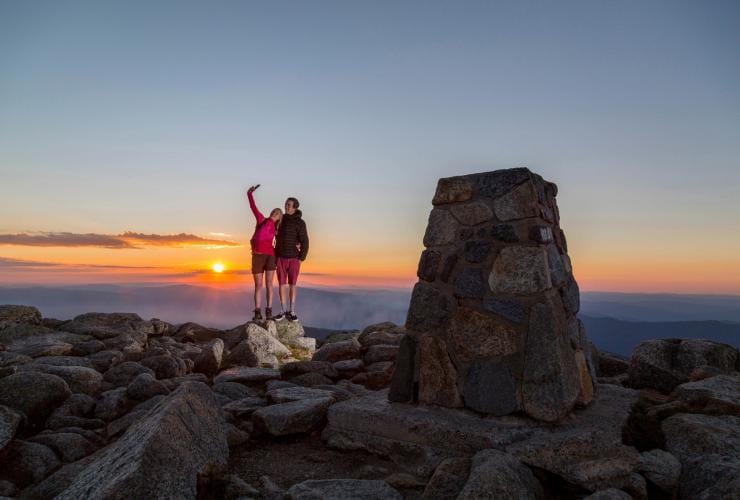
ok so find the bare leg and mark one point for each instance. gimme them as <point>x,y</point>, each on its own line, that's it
<point>268,287</point>
<point>257,290</point>
<point>293,294</point>
<point>284,297</point>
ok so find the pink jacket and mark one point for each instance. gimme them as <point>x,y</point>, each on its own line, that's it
<point>264,233</point>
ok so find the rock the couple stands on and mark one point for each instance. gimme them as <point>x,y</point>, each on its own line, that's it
<point>279,244</point>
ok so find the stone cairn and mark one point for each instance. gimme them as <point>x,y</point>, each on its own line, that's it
<point>492,322</point>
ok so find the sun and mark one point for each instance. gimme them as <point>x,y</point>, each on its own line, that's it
<point>218,267</point>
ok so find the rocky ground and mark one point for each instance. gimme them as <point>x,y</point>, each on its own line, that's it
<point>113,406</point>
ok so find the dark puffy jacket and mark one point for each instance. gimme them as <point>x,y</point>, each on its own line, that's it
<point>291,233</point>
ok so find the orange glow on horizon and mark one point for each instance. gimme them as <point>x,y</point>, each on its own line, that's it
<point>653,271</point>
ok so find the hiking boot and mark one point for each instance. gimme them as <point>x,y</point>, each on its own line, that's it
<point>268,313</point>
<point>279,317</point>
<point>257,315</point>
<point>291,316</point>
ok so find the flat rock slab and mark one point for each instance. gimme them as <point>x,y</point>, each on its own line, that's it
<point>342,489</point>
<point>288,394</point>
<point>246,375</point>
<point>291,418</point>
<point>719,395</point>
<point>159,456</point>
<point>426,435</point>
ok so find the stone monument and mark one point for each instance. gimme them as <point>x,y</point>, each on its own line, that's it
<point>492,322</point>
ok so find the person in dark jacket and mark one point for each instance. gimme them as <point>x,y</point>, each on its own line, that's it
<point>291,248</point>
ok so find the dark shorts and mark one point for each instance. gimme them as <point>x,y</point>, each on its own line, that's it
<point>262,262</point>
<point>287,270</point>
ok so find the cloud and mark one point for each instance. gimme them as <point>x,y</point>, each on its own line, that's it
<point>8,263</point>
<point>126,240</point>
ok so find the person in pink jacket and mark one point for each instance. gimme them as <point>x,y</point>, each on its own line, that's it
<point>263,254</point>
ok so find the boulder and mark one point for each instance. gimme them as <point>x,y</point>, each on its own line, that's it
<point>612,365</point>
<point>78,378</point>
<point>495,474</point>
<point>288,394</point>
<point>161,455</point>
<point>379,337</point>
<point>341,489</point>
<point>64,361</point>
<point>166,366</point>
<point>338,351</point>
<point>193,332</point>
<point>296,368</point>
<point>145,386</point>
<point>69,446</point>
<point>448,479</point>
<point>127,345</point>
<point>12,314</point>
<point>245,407</point>
<point>44,344</point>
<point>112,404</point>
<point>719,395</point>
<point>209,359</point>
<point>380,352</point>
<point>708,448</point>
<point>123,374</point>
<point>666,363</point>
<point>348,368</point>
<point>310,379</point>
<point>339,393</point>
<point>295,417</point>
<point>107,325</point>
<point>34,393</point>
<point>24,463</point>
<point>589,458</point>
<point>104,360</point>
<point>12,359</point>
<point>233,390</point>
<point>87,347</point>
<point>303,347</point>
<point>246,375</point>
<point>258,348</point>
<point>383,326</point>
<point>660,468</point>
<point>77,405</point>
<point>288,331</point>
<point>10,421</point>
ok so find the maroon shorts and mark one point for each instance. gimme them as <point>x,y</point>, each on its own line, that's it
<point>262,262</point>
<point>287,270</point>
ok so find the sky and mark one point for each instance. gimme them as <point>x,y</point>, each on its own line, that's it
<point>129,132</point>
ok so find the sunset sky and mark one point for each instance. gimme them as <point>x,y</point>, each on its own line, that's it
<point>129,132</point>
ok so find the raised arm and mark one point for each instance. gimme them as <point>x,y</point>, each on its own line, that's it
<point>257,214</point>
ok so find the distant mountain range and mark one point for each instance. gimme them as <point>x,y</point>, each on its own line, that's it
<point>216,307</point>
<point>621,337</point>
<point>661,306</point>
<point>615,322</point>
